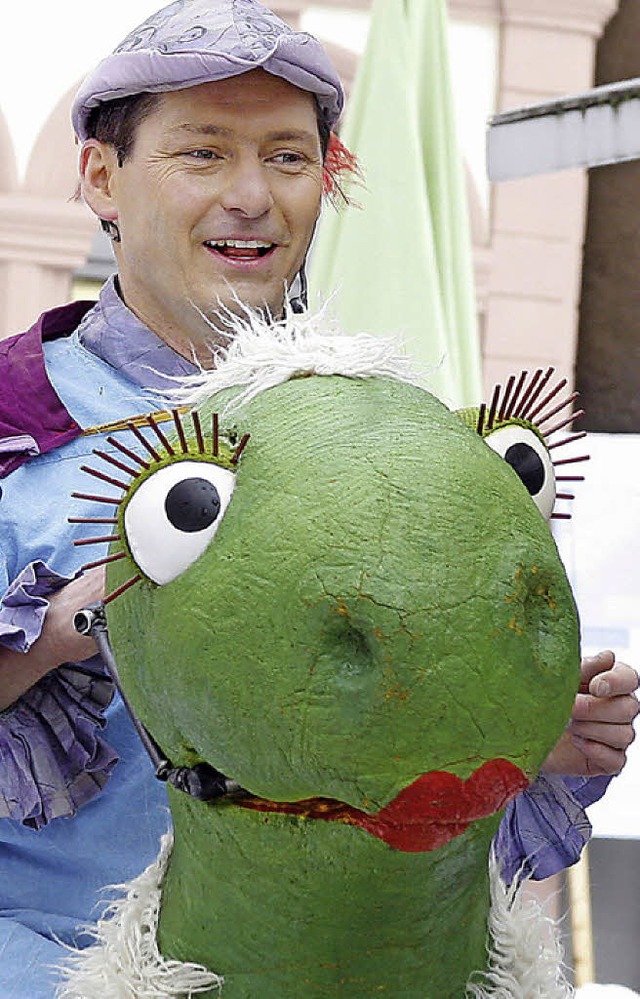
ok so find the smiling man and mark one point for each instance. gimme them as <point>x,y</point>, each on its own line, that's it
<point>216,204</point>
<point>204,154</point>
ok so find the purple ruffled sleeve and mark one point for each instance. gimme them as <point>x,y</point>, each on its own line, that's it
<point>545,828</point>
<point>24,605</point>
<point>53,758</point>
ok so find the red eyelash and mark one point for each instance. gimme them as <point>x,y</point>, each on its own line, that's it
<point>522,403</point>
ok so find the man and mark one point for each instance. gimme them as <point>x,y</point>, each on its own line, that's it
<point>204,141</point>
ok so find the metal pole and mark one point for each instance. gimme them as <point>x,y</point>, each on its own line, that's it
<point>579,889</point>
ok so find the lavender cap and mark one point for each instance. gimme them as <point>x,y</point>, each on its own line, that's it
<point>199,41</point>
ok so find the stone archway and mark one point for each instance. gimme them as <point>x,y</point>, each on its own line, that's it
<point>8,165</point>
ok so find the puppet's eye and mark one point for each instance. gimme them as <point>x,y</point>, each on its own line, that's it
<point>524,451</point>
<point>173,514</point>
<point>174,501</point>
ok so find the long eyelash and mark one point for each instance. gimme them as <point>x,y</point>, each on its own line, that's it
<point>240,448</point>
<point>215,435</point>
<point>481,418</point>
<point>180,429</point>
<point>121,589</point>
<point>197,426</point>
<point>161,437</point>
<point>117,464</point>
<point>97,541</point>
<point>516,395</point>
<point>104,477</point>
<point>143,440</point>
<point>505,398</point>
<point>525,401</point>
<point>493,407</point>
<point>98,499</point>
<point>105,561</point>
<point>129,453</point>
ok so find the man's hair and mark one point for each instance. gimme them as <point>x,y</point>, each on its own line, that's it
<point>116,122</point>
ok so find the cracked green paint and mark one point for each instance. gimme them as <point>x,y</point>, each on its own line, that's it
<point>382,599</point>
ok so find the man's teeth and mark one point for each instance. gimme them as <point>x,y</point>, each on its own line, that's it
<point>239,244</point>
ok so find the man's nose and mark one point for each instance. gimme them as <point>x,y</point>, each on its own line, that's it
<point>247,190</point>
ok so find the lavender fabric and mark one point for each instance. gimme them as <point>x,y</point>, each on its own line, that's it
<point>113,333</point>
<point>545,829</point>
<point>24,605</point>
<point>20,444</point>
<point>53,757</point>
<point>190,42</point>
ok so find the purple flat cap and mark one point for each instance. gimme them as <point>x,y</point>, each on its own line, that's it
<point>199,41</point>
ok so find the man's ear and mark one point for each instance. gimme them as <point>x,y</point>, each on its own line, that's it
<point>98,163</point>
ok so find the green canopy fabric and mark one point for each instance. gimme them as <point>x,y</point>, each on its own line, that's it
<point>399,259</point>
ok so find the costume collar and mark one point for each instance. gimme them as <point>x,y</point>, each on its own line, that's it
<point>114,334</point>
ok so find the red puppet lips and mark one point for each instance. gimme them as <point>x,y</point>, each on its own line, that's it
<point>434,809</point>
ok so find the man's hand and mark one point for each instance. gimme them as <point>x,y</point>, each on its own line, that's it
<point>601,727</point>
<point>59,641</point>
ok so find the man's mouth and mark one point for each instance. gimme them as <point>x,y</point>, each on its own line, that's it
<point>241,249</point>
<point>432,811</point>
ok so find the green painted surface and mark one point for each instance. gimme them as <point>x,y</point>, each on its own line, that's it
<point>382,599</point>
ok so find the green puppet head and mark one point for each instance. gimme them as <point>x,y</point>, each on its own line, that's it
<point>363,594</point>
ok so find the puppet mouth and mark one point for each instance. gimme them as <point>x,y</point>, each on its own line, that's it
<point>430,812</point>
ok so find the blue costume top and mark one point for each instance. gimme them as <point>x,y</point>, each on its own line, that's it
<point>79,804</point>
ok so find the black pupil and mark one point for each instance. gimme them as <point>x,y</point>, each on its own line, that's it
<point>527,463</point>
<point>192,505</point>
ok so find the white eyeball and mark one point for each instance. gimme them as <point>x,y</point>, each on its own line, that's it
<point>524,451</point>
<point>173,514</point>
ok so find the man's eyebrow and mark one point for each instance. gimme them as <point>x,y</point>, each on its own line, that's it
<point>202,129</point>
<point>293,135</point>
<point>281,135</point>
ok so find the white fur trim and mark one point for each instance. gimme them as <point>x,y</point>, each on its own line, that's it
<point>261,355</point>
<point>124,962</point>
<point>525,956</point>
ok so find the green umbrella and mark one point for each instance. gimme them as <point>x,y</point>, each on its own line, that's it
<point>401,259</point>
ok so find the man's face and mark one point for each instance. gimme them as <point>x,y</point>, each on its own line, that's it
<point>217,201</point>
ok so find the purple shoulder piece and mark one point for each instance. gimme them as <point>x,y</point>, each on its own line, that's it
<point>30,409</point>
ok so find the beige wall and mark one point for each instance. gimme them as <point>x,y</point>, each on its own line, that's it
<point>528,253</point>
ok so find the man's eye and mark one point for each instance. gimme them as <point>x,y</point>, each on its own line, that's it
<point>289,159</point>
<point>202,154</point>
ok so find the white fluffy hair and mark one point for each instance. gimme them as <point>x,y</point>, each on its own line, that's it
<point>524,955</point>
<point>261,354</point>
<point>124,961</point>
